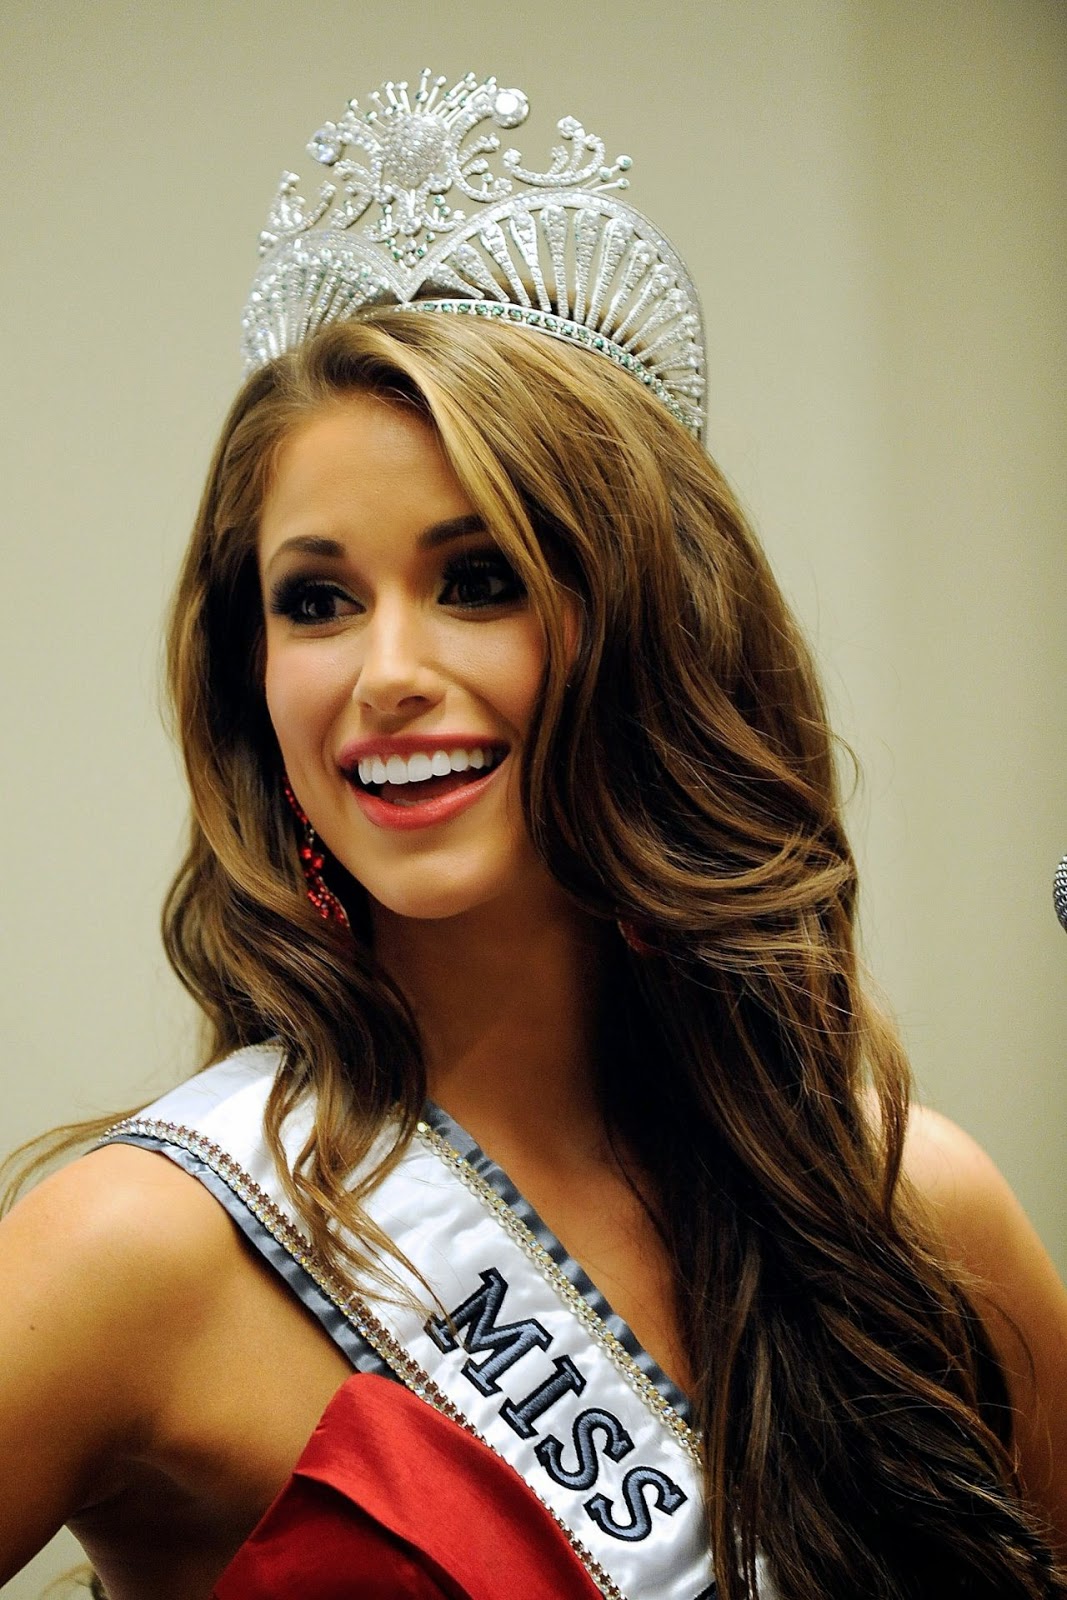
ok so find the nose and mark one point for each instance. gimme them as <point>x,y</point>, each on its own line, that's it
<point>395,671</point>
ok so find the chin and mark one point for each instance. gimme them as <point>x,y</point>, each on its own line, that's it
<point>430,892</point>
<point>432,902</point>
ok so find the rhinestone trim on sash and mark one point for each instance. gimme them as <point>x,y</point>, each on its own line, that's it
<point>558,1281</point>
<point>354,1309</point>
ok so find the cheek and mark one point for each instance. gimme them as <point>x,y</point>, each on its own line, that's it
<point>516,668</point>
<point>302,694</point>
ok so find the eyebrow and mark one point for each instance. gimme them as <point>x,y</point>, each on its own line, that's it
<point>432,538</point>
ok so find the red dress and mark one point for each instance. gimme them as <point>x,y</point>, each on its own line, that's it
<point>393,1501</point>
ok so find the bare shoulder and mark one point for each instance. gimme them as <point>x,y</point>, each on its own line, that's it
<point>107,1267</point>
<point>120,1210</point>
<point>107,1264</point>
<point>980,1221</point>
<point>1014,1285</point>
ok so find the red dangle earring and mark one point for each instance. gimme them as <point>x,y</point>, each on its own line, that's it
<point>312,862</point>
<point>633,938</point>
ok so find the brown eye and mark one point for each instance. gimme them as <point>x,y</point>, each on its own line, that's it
<point>477,580</point>
<point>308,601</point>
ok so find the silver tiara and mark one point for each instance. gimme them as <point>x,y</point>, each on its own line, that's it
<point>554,251</point>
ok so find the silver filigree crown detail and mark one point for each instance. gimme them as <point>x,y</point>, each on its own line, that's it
<point>556,251</point>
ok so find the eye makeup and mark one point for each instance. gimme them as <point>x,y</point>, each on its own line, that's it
<point>479,579</point>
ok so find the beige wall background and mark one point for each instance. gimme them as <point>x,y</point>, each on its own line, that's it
<point>872,196</point>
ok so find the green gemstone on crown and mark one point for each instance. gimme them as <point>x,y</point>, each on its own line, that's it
<point>410,143</point>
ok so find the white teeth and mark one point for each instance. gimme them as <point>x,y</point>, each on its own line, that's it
<point>396,770</point>
<point>423,765</point>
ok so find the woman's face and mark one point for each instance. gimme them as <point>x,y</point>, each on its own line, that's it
<point>400,645</point>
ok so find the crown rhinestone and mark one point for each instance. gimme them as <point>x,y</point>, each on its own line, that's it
<point>555,251</point>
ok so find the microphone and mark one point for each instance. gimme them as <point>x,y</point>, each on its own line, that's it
<point>1059,892</point>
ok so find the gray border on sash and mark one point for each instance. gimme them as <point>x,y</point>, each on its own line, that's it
<point>501,1184</point>
<point>347,1338</point>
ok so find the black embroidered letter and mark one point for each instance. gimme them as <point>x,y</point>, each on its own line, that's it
<point>565,1380</point>
<point>478,1313</point>
<point>667,1495</point>
<point>619,1444</point>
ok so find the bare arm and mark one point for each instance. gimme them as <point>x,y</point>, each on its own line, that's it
<point>1022,1302</point>
<point>101,1278</point>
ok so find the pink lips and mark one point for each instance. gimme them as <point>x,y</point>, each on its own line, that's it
<point>421,813</point>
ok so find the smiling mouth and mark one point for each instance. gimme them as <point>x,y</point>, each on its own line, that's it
<point>417,791</point>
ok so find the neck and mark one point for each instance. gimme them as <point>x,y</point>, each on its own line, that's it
<point>508,1010</point>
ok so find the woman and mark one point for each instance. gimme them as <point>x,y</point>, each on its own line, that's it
<point>512,788</point>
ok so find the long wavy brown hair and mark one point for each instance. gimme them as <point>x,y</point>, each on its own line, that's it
<point>680,773</point>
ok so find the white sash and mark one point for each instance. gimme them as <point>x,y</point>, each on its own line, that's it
<point>536,1364</point>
